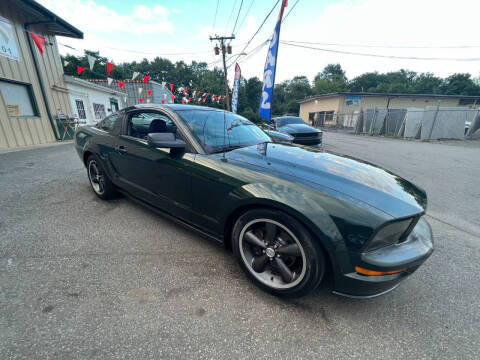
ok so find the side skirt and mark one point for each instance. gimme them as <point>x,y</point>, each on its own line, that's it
<point>170,217</point>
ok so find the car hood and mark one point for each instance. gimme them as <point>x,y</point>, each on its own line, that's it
<point>355,178</point>
<point>298,129</point>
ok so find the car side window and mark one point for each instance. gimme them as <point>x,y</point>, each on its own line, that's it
<point>108,123</point>
<point>143,123</point>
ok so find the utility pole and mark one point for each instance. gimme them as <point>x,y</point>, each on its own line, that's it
<point>224,49</point>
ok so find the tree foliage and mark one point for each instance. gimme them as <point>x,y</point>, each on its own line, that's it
<point>331,79</point>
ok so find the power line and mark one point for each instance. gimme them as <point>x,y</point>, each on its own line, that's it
<point>378,55</point>
<point>215,17</point>
<point>259,28</point>
<point>291,9</point>
<point>231,13</point>
<point>238,15</point>
<point>245,16</point>
<point>386,46</point>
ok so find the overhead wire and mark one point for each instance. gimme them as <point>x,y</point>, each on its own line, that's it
<point>386,46</point>
<point>238,15</point>
<point>378,55</point>
<point>215,17</point>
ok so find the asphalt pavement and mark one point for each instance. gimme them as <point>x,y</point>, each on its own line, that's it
<point>82,278</point>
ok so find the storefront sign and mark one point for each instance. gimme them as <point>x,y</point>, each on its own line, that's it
<point>353,100</point>
<point>8,45</point>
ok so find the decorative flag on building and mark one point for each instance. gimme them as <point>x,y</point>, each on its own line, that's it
<point>149,92</point>
<point>236,85</point>
<point>140,90</point>
<point>65,63</point>
<point>145,78</point>
<point>80,69</point>
<point>91,61</point>
<point>135,74</point>
<point>269,70</point>
<point>140,100</point>
<point>120,83</point>
<point>109,80</point>
<point>39,41</point>
<point>109,66</point>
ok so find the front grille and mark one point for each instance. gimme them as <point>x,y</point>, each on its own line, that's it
<point>302,135</point>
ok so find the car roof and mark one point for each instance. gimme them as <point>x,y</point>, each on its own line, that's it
<point>175,107</point>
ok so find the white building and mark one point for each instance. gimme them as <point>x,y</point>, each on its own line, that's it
<point>92,102</point>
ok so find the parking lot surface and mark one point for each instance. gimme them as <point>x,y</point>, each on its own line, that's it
<point>83,278</point>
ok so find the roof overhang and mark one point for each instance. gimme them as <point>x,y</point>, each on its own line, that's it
<point>389,95</point>
<point>88,85</point>
<point>34,13</point>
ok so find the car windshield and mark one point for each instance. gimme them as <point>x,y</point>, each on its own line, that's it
<point>288,120</point>
<point>219,131</point>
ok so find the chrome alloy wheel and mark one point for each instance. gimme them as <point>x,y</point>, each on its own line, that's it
<point>272,253</point>
<point>96,177</point>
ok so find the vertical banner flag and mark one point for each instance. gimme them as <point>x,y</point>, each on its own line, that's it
<point>269,70</point>
<point>135,74</point>
<point>236,85</point>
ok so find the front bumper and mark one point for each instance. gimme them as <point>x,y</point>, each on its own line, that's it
<point>310,140</point>
<point>408,255</point>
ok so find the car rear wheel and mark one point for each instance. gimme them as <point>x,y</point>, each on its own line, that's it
<point>101,184</point>
<point>278,253</point>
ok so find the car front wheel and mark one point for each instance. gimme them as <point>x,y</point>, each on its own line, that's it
<point>278,253</point>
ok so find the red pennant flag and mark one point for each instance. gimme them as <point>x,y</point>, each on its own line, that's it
<point>109,67</point>
<point>163,101</point>
<point>189,99</point>
<point>145,78</point>
<point>173,97</point>
<point>185,91</point>
<point>198,93</point>
<point>223,97</point>
<point>171,87</point>
<point>149,92</point>
<point>80,69</point>
<point>120,83</point>
<point>140,100</point>
<point>183,101</point>
<point>39,41</point>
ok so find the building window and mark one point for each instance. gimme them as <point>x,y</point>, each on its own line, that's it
<point>18,98</point>
<point>81,109</point>
<point>113,105</point>
<point>99,110</point>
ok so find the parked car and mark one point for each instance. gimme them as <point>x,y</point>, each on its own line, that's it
<point>302,133</point>
<point>279,137</point>
<point>290,214</point>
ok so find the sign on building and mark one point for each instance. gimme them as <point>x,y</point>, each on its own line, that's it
<point>353,100</point>
<point>8,45</point>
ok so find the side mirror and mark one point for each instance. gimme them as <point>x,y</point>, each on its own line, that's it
<point>165,141</point>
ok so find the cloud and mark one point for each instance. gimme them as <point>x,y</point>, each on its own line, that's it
<point>89,16</point>
<point>378,22</point>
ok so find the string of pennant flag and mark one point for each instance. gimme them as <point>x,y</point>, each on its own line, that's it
<point>186,95</point>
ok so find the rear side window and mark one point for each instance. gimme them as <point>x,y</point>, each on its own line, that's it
<point>108,124</point>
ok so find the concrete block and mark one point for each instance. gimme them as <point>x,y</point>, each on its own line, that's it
<point>394,120</point>
<point>446,122</point>
<point>413,122</point>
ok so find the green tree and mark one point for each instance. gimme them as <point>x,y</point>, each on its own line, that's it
<point>460,84</point>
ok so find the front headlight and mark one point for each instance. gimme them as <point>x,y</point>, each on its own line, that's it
<point>389,234</point>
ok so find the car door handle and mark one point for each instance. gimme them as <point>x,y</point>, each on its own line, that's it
<point>121,149</point>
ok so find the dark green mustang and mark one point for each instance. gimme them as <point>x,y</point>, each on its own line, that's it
<point>290,214</point>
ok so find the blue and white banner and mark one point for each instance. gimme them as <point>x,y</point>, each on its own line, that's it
<point>269,70</point>
<point>236,85</point>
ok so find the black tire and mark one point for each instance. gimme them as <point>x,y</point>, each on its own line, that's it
<point>270,273</point>
<point>99,181</point>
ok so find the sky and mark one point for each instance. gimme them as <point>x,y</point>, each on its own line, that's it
<point>180,29</point>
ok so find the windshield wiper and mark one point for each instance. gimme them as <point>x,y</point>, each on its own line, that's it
<point>227,148</point>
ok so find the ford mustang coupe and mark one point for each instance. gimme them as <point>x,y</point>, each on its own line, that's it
<point>290,214</point>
